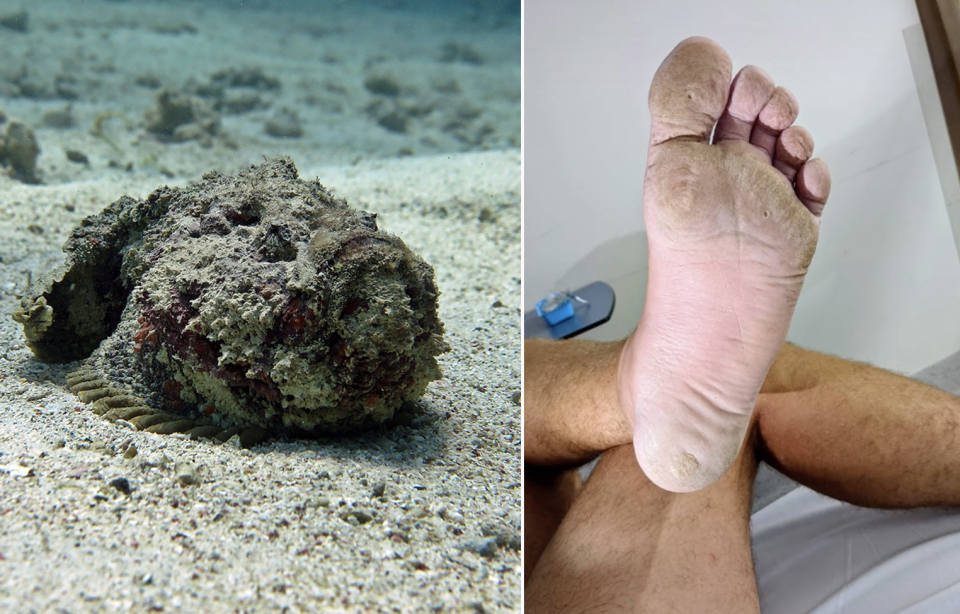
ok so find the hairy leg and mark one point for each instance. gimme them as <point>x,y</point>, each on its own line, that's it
<point>851,431</point>
<point>860,434</point>
<point>571,408</point>
<point>846,429</point>
<point>570,416</point>
<point>628,546</point>
<point>548,494</point>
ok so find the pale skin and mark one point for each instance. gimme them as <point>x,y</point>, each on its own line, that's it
<point>732,220</point>
<point>706,386</point>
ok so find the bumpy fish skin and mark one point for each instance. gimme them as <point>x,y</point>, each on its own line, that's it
<point>256,299</point>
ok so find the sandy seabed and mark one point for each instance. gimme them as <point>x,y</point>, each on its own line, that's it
<point>410,114</point>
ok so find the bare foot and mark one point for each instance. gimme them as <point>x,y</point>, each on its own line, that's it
<point>732,227</point>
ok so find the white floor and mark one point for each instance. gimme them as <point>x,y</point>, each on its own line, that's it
<point>885,284</point>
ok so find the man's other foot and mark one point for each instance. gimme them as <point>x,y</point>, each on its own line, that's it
<point>732,227</point>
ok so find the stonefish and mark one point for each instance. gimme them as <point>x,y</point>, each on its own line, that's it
<point>252,304</point>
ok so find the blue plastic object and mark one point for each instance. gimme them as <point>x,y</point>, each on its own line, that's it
<point>555,308</point>
<point>591,306</point>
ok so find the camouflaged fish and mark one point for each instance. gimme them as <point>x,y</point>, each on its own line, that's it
<point>249,304</point>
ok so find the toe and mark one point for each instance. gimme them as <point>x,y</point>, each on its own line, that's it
<point>749,93</point>
<point>813,185</point>
<point>777,115</point>
<point>689,91</point>
<point>793,149</point>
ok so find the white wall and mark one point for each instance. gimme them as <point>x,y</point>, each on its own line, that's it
<point>885,284</point>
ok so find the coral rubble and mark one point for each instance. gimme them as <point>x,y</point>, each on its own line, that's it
<point>19,150</point>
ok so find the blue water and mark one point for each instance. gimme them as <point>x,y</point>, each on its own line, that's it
<point>171,86</point>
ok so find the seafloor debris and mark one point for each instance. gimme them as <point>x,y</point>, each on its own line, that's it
<point>77,157</point>
<point>149,81</point>
<point>253,77</point>
<point>284,124</point>
<point>237,103</point>
<point>18,22</point>
<point>19,150</point>
<point>257,299</point>
<point>382,85</point>
<point>237,91</point>
<point>453,51</point>
<point>27,81</point>
<point>99,128</point>
<point>179,117</point>
<point>61,119</point>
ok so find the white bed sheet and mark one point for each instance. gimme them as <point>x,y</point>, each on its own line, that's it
<point>816,555</point>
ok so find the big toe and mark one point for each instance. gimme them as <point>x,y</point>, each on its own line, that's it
<point>689,91</point>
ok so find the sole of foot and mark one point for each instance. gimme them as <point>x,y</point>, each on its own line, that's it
<point>732,224</point>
